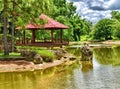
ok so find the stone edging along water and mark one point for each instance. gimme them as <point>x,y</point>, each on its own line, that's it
<point>22,65</point>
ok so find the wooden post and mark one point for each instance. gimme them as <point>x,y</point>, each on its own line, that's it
<point>60,38</point>
<point>52,36</point>
<point>33,36</point>
<point>52,39</point>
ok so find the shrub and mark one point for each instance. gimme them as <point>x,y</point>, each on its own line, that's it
<point>47,55</point>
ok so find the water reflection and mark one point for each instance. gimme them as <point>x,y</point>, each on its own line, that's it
<point>52,78</point>
<point>108,56</point>
<point>104,55</point>
<point>75,51</point>
<point>86,66</point>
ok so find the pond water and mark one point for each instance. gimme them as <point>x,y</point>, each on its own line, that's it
<point>102,73</point>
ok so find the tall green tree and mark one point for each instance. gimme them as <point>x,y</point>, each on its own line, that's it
<point>5,18</point>
<point>103,29</point>
<point>66,14</point>
<point>116,27</point>
<point>20,12</point>
<point>115,15</point>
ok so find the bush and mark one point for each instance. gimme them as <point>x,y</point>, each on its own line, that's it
<point>47,55</point>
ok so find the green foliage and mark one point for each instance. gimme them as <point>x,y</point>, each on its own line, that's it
<point>116,24</point>
<point>24,12</point>
<point>47,55</point>
<point>115,15</point>
<point>66,14</point>
<point>103,30</point>
<point>12,54</point>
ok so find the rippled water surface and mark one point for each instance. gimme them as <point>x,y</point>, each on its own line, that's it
<point>102,73</point>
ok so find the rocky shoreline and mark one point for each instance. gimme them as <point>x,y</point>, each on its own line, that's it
<point>19,66</point>
<point>23,65</point>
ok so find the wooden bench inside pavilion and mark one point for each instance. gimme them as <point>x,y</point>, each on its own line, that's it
<point>51,25</point>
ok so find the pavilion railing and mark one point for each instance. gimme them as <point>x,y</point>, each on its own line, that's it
<point>54,41</point>
<point>63,41</point>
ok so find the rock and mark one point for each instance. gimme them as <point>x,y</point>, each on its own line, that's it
<point>69,56</point>
<point>28,54</point>
<point>72,57</point>
<point>87,53</point>
<point>38,59</point>
<point>59,53</point>
<point>47,59</point>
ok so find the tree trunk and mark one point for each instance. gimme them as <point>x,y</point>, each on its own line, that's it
<point>12,43</point>
<point>12,28</point>
<point>6,51</point>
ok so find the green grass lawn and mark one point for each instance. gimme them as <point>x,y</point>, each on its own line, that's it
<point>46,54</point>
<point>39,50</point>
<point>12,54</point>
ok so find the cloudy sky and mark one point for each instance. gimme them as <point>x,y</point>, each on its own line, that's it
<point>94,10</point>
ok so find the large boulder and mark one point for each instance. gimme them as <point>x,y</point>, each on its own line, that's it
<point>28,54</point>
<point>38,59</point>
<point>60,53</point>
<point>87,53</point>
<point>32,56</point>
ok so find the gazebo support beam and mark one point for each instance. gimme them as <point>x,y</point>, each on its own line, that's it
<point>61,38</point>
<point>33,36</point>
<point>52,36</point>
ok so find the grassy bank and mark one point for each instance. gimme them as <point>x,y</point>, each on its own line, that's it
<point>46,54</point>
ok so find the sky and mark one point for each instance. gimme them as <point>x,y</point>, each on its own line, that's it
<point>94,10</point>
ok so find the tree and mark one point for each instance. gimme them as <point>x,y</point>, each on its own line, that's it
<point>77,26</point>
<point>20,12</point>
<point>6,51</point>
<point>103,30</point>
<point>115,15</point>
<point>65,13</point>
<point>116,27</point>
<point>116,24</point>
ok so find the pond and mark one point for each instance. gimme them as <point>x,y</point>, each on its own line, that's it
<point>102,73</point>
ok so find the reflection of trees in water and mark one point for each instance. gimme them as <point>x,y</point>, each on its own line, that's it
<point>75,51</point>
<point>107,55</point>
<point>116,59</point>
<point>103,55</point>
<point>41,79</point>
<point>86,66</point>
<point>17,80</point>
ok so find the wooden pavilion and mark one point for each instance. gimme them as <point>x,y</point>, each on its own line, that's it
<point>51,25</point>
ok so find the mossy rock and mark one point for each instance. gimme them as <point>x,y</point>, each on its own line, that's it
<point>48,59</point>
<point>60,53</point>
<point>38,59</point>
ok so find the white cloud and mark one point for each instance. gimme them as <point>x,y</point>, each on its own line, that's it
<point>79,5</point>
<point>114,4</point>
<point>94,10</point>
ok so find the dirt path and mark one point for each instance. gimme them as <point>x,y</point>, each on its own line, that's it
<point>111,42</point>
<point>103,42</point>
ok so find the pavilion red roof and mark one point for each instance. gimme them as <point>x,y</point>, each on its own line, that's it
<point>50,24</point>
<point>33,26</point>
